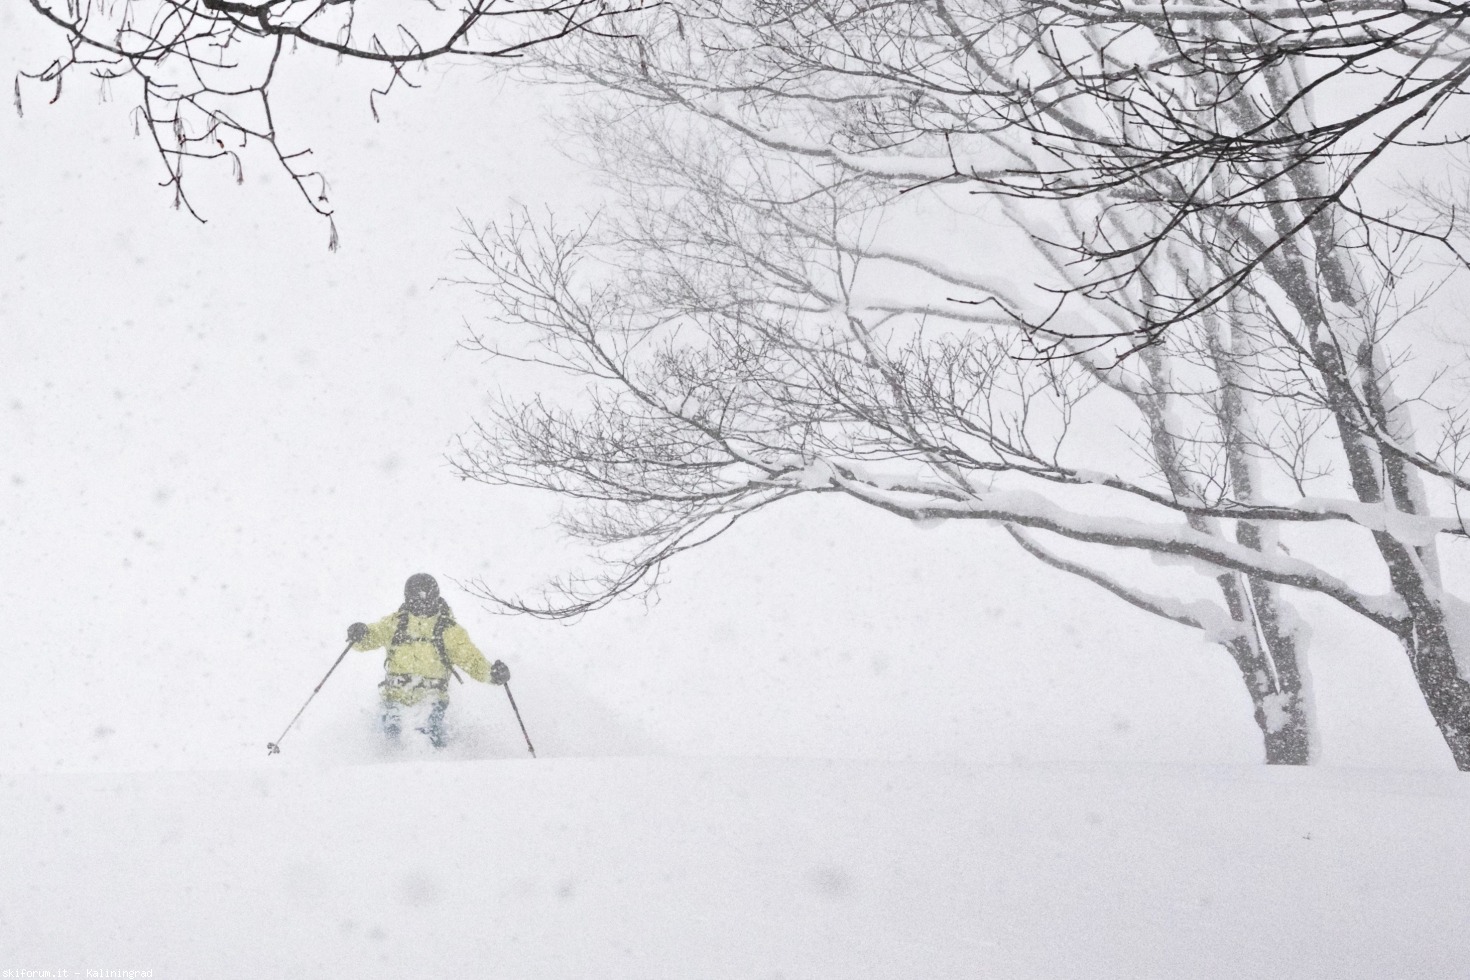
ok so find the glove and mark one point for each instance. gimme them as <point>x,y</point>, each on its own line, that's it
<point>356,632</point>
<point>499,673</point>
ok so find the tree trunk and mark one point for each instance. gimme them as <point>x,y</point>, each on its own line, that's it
<point>1268,666</point>
<point>1265,654</point>
<point>1424,635</point>
<point>1432,654</point>
<point>1282,710</point>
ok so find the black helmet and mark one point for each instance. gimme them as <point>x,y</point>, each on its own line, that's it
<point>421,594</point>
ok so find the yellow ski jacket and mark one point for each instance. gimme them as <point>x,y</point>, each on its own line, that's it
<point>415,653</point>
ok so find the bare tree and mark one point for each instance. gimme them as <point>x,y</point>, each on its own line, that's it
<point>1260,114</point>
<point>1171,170</point>
<point>1134,100</point>
<point>747,338</point>
<point>204,71</point>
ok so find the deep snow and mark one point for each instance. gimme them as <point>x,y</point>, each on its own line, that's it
<point>739,868</point>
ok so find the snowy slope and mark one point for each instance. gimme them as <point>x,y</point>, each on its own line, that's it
<point>640,868</point>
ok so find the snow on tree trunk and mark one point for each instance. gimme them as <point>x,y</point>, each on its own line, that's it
<point>1264,653</point>
<point>1283,712</point>
<point>1424,635</point>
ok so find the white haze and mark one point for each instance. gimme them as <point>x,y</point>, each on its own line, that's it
<point>222,444</point>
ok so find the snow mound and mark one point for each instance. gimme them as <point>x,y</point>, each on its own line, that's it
<point>562,719</point>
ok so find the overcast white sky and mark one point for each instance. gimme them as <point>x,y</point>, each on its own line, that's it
<point>222,444</point>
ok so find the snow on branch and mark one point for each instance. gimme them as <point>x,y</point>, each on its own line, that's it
<point>1200,615</point>
<point>1213,554</point>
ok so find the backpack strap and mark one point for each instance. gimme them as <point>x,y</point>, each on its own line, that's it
<point>443,619</point>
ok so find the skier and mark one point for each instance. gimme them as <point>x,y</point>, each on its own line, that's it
<point>424,644</point>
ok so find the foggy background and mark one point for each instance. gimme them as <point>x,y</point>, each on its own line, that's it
<point>223,443</point>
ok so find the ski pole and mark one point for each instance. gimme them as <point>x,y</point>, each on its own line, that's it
<point>273,748</point>
<point>513,707</point>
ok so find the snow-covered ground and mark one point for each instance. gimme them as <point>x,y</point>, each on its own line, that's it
<point>741,868</point>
